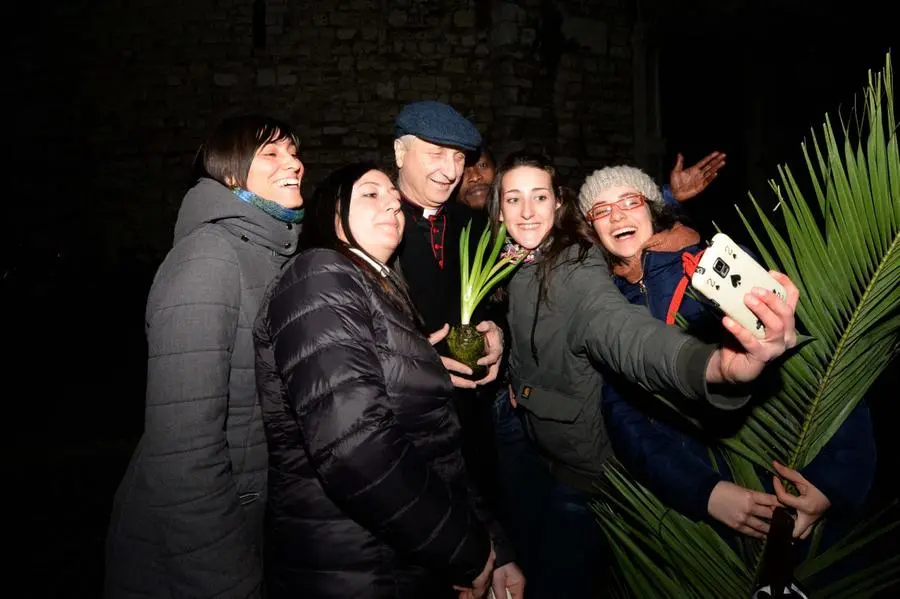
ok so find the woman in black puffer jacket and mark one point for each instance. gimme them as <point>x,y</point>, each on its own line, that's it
<point>368,495</point>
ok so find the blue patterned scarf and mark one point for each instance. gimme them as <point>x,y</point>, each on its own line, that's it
<point>273,209</point>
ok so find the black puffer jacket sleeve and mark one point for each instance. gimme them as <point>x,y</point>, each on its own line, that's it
<point>322,322</point>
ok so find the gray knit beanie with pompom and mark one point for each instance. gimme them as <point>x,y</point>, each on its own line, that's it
<point>615,176</point>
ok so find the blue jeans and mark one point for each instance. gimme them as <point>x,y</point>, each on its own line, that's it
<point>557,541</point>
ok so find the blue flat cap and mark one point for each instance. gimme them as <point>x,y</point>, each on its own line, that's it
<point>438,123</point>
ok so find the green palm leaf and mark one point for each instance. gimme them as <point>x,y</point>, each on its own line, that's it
<point>849,279</point>
<point>660,552</point>
<point>838,238</point>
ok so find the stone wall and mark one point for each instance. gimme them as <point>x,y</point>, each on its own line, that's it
<point>137,85</point>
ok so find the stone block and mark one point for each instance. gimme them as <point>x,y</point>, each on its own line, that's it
<point>569,130</point>
<point>454,65</point>
<point>464,18</point>
<point>397,18</point>
<point>591,33</point>
<point>423,83</point>
<point>527,36</point>
<point>505,34</point>
<point>225,79</point>
<point>265,77</point>
<point>385,90</point>
<point>511,12</point>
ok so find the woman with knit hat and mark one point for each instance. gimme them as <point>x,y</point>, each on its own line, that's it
<point>570,328</point>
<point>646,244</point>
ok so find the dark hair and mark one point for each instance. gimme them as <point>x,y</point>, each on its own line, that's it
<point>486,151</point>
<point>473,156</point>
<point>229,150</point>
<point>332,198</point>
<point>569,227</point>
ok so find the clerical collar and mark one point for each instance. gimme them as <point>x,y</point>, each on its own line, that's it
<point>418,210</point>
<point>380,268</point>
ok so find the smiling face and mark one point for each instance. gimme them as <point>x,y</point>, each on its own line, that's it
<point>276,172</point>
<point>428,172</point>
<point>527,205</point>
<point>622,232</point>
<point>375,219</point>
<point>476,183</point>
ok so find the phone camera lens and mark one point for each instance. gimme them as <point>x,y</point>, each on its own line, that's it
<point>721,268</point>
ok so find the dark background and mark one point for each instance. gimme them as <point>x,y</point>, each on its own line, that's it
<point>99,160</point>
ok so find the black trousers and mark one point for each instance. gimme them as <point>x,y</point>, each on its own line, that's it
<point>474,409</point>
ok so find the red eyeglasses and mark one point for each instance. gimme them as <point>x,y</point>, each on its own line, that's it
<point>628,202</point>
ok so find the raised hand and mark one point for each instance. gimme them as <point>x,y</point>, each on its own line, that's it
<point>686,183</point>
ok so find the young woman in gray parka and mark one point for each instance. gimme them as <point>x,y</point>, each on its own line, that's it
<point>568,326</point>
<point>188,514</point>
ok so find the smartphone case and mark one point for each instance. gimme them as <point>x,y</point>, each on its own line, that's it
<point>725,274</point>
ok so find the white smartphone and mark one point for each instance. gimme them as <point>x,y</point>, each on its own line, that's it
<point>726,273</point>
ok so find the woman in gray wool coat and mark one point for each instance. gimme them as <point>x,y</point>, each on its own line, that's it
<point>188,514</point>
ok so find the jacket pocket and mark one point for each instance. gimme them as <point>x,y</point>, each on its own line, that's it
<point>548,404</point>
<point>565,428</point>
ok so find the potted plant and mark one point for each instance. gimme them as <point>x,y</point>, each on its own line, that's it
<point>476,281</point>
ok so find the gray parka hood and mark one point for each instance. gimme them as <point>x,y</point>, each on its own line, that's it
<point>211,202</point>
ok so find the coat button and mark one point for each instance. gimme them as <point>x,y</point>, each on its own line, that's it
<point>290,226</point>
<point>287,245</point>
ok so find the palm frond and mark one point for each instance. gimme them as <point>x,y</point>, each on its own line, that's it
<point>846,261</point>
<point>661,553</point>
<point>840,243</point>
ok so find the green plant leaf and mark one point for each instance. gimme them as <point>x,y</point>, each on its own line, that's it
<point>836,234</point>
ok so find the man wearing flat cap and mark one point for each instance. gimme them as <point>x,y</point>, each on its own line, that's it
<point>430,147</point>
<point>432,141</point>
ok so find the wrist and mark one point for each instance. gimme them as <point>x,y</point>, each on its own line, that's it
<point>714,368</point>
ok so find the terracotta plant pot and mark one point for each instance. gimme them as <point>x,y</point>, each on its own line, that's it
<point>467,346</point>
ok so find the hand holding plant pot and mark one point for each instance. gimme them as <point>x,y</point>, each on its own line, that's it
<point>467,342</point>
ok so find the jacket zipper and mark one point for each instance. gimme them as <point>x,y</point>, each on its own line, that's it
<point>641,282</point>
